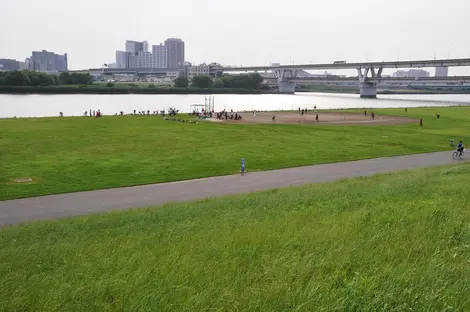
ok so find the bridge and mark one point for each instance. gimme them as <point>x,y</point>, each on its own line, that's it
<point>399,80</point>
<point>369,73</point>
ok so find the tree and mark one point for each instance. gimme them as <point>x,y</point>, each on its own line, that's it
<point>17,78</point>
<point>181,82</point>
<point>67,78</point>
<point>202,82</point>
<point>245,81</point>
<point>27,78</point>
<point>219,83</point>
<point>41,79</point>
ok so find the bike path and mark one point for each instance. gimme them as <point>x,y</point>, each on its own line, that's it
<point>81,203</point>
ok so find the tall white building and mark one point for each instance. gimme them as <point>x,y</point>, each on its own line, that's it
<point>442,71</point>
<point>175,50</point>
<point>145,60</point>
<point>133,61</point>
<point>137,55</point>
<point>160,53</point>
<point>134,47</point>
<point>122,59</point>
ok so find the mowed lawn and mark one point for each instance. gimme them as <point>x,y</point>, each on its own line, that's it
<point>75,154</point>
<point>396,242</point>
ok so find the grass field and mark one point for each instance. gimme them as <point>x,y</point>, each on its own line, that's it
<point>75,154</point>
<point>384,243</point>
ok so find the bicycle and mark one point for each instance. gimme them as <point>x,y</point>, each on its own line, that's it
<point>457,154</point>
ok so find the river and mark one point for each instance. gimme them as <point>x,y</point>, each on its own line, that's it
<point>75,105</point>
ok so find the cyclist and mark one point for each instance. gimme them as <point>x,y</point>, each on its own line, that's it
<point>460,148</point>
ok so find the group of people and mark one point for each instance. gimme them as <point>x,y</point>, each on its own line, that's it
<point>93,113</point>
<point>305,110</point>
<point>228,116</point>
<point>171,112</point>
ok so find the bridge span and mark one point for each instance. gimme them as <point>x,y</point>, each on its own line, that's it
<point>368,73</point>
<point>419,80</point>
<point>356,65</point>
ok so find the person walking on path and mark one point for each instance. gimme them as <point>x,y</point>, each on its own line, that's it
<point>421,122</point>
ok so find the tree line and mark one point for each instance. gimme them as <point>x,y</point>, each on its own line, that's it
<point>34,78</point>
<point>245,81</point>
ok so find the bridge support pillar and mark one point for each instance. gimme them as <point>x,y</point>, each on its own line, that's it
<point>368,90</point>
<point>285,80</point>
<point>286,86</point>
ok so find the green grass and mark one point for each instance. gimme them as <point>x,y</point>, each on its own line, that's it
<point>384,243</point>
<point>76,154</point>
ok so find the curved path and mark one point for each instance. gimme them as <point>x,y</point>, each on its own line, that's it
<point>64,205</point>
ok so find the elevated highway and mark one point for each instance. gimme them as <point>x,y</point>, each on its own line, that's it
<point>356,65</point>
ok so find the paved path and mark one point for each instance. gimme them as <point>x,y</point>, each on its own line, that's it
<point>57,206</point>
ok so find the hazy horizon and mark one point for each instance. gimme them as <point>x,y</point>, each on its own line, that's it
<point>242,32</point>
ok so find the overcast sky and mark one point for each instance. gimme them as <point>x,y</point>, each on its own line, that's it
<point>242,32</point>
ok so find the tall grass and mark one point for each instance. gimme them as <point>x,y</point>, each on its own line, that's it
<point>384,243</point>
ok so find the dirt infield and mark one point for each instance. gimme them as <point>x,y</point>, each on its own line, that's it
<point>324,118</point>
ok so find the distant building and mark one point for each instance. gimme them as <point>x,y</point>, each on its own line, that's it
<point>175,50</point>
<point>212,69</point>
<point>160,53</point>
<point>134,47</point>
<point>7,64</point>
<point>145,60</point>
<point>198,70</point>
<point>412,73</point>
<point>23,65</point>
<point>48,61</point>
<point>442,71</point>
<point>137,55</point>
<point>133,61</point>
<point>122,59</point>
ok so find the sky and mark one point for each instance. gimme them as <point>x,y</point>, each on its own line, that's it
<point>242,32</point>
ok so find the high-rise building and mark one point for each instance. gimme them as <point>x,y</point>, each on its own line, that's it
<point>160,54</point>
<point>48,61</point>
<point>175,52</point>
<point>442,71</point>
<point>133,61</point>
<point>122,59</point>
<point>134,47</point>
<point>137,55</point>
<point>145,60</point>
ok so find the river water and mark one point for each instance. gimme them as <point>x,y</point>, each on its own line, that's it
<point>75,105</point>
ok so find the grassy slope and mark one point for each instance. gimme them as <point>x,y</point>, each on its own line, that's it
<point>391,242</point>
<point>75,154</point>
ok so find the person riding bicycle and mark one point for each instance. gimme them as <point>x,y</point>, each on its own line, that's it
<point>460,148</point>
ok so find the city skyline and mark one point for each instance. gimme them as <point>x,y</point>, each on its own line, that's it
<point>363,30</point>
<point>136,54</point>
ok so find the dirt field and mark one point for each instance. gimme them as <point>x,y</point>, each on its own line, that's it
<point>326,118</point>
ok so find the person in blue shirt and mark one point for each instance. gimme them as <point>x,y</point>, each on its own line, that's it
<point>460,148</point>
